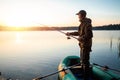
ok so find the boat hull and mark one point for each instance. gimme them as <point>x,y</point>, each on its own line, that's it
<point>96,72</point>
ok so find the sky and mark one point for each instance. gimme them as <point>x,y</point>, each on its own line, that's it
<point>24,13</point>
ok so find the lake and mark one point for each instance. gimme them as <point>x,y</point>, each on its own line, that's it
<point>29,54</point>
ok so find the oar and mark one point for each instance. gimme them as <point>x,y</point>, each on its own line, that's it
<point>56,72</point>
<point>49,74</point>
<point>106,67</point>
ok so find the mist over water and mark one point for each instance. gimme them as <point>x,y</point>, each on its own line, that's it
<point>29,54</point>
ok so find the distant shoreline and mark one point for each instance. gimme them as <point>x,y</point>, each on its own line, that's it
<point>106,27</point>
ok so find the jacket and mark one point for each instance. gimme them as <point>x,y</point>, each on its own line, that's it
<point>85,33</point>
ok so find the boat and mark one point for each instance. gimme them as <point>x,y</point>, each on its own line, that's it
<point>70,70</point>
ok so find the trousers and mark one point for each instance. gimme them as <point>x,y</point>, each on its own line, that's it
<point>84,60</point>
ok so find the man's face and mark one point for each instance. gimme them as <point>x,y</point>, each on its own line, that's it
<point>80,17</point>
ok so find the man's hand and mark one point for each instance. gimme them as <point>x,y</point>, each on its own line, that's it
<point>80,39</point>
<point>68,34</point>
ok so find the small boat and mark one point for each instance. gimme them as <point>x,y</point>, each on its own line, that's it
<point>76,72</point>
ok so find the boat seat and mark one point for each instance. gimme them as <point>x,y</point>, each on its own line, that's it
<point>77,67</point>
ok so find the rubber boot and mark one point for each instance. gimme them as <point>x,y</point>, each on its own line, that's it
<point>86,72</point>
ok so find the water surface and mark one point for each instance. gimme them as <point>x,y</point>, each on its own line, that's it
<point>28,54</point>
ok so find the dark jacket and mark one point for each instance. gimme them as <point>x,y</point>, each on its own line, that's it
<point>85,33</point>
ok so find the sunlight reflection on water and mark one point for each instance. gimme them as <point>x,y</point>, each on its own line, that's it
<point>26,55</point>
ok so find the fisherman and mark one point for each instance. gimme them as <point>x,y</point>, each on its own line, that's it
<point>85,41</point>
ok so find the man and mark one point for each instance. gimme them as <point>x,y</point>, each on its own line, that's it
<point>85,40</point>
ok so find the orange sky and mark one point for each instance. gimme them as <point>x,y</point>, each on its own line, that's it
<point>19,13</point>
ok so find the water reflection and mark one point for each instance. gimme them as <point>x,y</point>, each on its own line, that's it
<point>118,46</point>
<point>18,38</point>
<point>47,48</point>
<point>112,45</point>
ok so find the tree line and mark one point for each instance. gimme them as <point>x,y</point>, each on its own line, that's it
<point>43,28</point>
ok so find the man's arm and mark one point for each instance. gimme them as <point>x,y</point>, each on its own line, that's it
<point>72,33</point>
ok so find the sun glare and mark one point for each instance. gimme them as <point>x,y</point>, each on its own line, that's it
<point>13,23</point>
<point>17,20</point>
<point>27,16</point>
<point>18,38</point>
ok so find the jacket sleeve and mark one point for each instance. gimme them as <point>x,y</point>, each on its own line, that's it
<point>74,33</point>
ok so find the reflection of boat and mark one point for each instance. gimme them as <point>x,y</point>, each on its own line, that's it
<point>75,73</point>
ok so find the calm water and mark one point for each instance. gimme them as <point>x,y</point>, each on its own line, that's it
<point>26,55</point>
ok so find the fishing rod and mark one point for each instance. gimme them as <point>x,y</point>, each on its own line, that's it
<point>106,67</point>
<point>68,37</point>
<point>64,69</point>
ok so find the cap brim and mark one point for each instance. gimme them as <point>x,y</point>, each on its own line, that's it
<point>77,13</point>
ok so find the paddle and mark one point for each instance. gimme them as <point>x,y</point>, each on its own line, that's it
<point>106,67</point>
<point>64,69</point>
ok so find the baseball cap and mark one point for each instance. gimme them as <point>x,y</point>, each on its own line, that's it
<point>83,12</point>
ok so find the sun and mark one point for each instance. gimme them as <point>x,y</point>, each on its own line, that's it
<point>13,23</point>
<point>27,20</point>
<point>17,21</point>
<point>22,16</point>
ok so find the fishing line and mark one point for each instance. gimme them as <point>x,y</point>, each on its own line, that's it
<point>68,37</point>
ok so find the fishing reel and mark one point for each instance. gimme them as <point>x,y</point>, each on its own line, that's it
<point>68,37</point>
